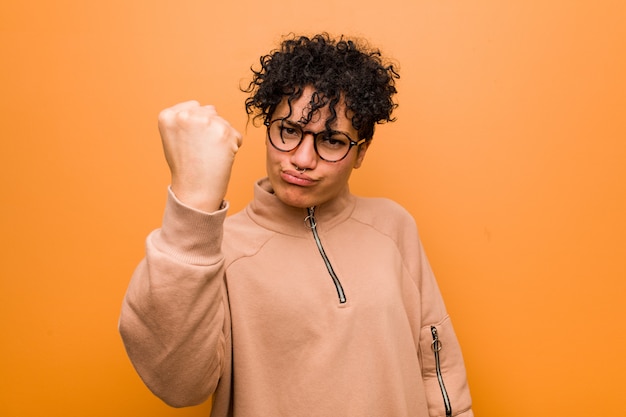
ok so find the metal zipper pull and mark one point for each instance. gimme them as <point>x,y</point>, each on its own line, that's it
<point>436,347</point>
<point>310,220</point>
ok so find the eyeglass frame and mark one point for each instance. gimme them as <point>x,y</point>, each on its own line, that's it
<point>352,143</point>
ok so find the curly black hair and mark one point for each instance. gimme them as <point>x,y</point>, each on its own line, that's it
<point>336,69</point>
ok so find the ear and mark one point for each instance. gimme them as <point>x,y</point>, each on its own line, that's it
<point>361,151</point>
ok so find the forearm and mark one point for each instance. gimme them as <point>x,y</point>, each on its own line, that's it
<point>443,367</point>
<point>174,320</point>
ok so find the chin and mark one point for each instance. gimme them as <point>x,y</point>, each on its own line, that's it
<point>293,199</point>
<point>294,195</point>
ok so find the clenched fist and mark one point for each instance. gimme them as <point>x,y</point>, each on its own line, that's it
<point>200,149</point>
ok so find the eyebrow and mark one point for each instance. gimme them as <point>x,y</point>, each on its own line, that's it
<point>291,122</point>
<point>299,125</point>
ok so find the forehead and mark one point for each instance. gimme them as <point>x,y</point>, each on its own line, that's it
<point>298,111</point>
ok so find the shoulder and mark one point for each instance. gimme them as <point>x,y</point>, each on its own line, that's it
<point>382,212</point>
<point>242,236</point>
<point>387,217</point>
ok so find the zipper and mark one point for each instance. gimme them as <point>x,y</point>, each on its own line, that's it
<point>313,226</point>
<point>436,346</point>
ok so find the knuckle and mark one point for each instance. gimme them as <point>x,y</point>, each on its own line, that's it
<point>165,116</point>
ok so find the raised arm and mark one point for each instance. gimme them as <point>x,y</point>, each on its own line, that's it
<point>175,320</point>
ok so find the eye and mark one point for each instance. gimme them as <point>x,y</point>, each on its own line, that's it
<point>288,132</point>
<point>333,141</point>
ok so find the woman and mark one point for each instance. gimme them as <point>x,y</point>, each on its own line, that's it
<point>310,301</point>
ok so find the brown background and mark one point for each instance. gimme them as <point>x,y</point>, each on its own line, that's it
<point>509,150</point>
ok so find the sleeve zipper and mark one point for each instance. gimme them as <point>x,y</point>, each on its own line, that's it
<point>436,347</point>
<point>310,219</point>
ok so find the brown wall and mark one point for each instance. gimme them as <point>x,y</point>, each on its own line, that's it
<point>509,150</point>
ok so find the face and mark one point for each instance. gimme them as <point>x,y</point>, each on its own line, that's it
<point>322,180</point>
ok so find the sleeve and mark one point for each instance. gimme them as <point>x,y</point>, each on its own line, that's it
<point>443,368</point>
<point>443,371</point>
<point>174,320</point>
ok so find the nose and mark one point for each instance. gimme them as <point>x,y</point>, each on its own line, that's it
<point>304,156</point>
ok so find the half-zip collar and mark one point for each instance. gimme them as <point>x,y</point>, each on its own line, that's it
<point>312,222</point>
<point>270,213</point>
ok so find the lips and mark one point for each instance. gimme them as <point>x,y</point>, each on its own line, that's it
<point>296,178</point>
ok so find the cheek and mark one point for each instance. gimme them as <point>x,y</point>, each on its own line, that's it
<point>270,155</point>
<point>273,163</point>
<point>341,174</point>
<point>361,155</point>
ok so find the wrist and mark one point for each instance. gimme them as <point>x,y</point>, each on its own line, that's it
<point>198,200</point>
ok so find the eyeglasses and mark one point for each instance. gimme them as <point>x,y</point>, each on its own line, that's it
<point>330,145</point>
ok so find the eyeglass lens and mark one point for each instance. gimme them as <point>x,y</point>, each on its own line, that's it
<point>331,146</point>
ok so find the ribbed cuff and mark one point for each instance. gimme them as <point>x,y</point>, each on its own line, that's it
<point>190,235</point>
